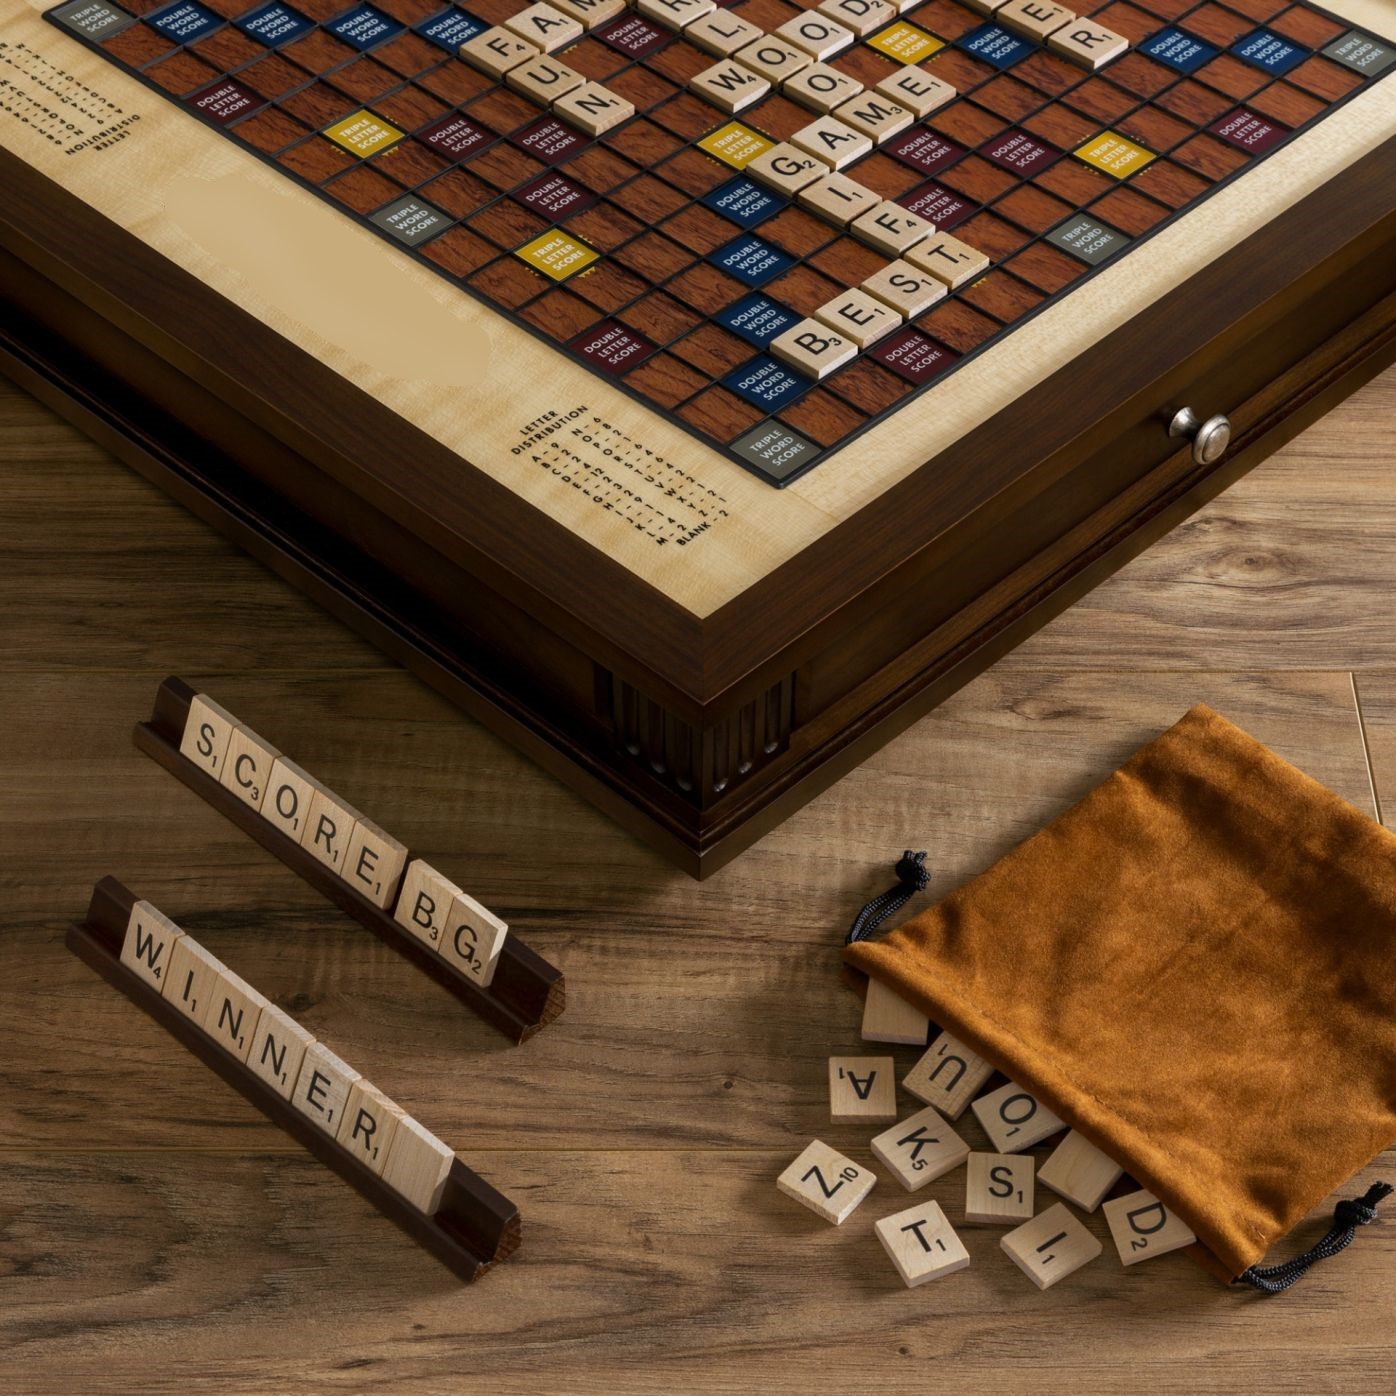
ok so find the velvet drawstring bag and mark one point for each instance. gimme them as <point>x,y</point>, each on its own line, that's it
<point>1195,967</point>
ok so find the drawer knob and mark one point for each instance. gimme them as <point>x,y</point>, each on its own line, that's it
<point>1209,439</point>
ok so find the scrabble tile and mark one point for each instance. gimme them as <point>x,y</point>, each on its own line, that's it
<point>887,1017</point>
<point>207,732</point>
<point>983,7</point>
<point>544,79</point>
<point>862,1090</point>
<point>774,59</point>
<point>999,1189</point>
<point>949,1076</point>
<point>1087,43</point>
<point>234,1010</point>
<point>472,938</point>
<point>1079,1172</point>
<point>909,291</point>
<point>148,947</point>
<point>838,199</point>
<point>1014,1119</point>
<point>418,1165</point>
<point>874,115</point>
<point>193,972</point>
<point>545,27</point>
<point>949,260</point>
<point>279,1045</point>
<point>786,168</point>
<point>594,108</point>
<point>497,50</point>
<point>1035,18</point>
<point>864,319</point>
<point>891,229</point>
<point>918,91</point>
<point>247,765</point>
<point>424,903</point>
<point>729,85</point>
<point>922,1244</point>
<point>373,865</point>
<point>1051,1246</point>
<point>1142,1227</point>
<point>826,1182</point>
<point>812,348</point>
<point>861,16</point>
<point>675,14</point>
<point>329,828</point>
<point>821,88</point>
<point>367,1125</point>
<point>287,801</point>
<point>834,143</point>
<point>322,1088</point>
<point>920,1148</point>
<point>590,13</point>
<point>721,33</point>
<point>818,35</point>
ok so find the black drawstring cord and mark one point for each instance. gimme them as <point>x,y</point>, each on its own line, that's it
<point>1348,1215</point>
<point>912,878</point>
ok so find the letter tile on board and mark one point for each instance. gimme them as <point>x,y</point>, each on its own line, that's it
<point>948,1076</point>
<point>918,91</point>
<point>590,13</point>
<point>323,1087</point>
<point>729,85</point>
<point>864,320</point>
<point>819,36</point>
<point>1087,43</point>
<point>1035,18</point>
<point>1142,1227</point>
<point>887,1017</point>
<point>544,80</point>
<point>908,290</point>
<point>721,33</point>
<point>774,59</point>
<point>832,141</point>
<point>287,801</point>
<point>999,1189</point>
<point>812,348</point>
<point>826,1182</point>
<point>543,25</point>
<point>1079,1172</point>
<point>984,7</point>
<point>234,1010</point>
<point>1051,1246</point>
<point>861,16</point>
<point>594,108</point>
<point>821,88</point>
<point>279,1045</point>
<point>1014,1119</point>
<point>874,115</point>
<point>837,199</point>
<point>148,948</point>
<point>496,51</point>
<point>675,14</point>
<point>192,975</point>
<point>920,1149</point>
<point>418,1165</point>
<point>786,168</point>
<point>424,904</point>
<point>368,1124</point>
<point>207,731</point>
<point>472,939</point>
<point>922,1244</point>
<point>329,828</point>
<point>373,864</point>
<point>891,229</point>
<point>247,766</point>
<point>949,260</point>
<point>862,1090</point>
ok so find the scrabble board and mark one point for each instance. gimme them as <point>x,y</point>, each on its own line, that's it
<point>503,374</point>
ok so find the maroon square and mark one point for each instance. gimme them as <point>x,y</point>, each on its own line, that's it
<point>555,195</point>
<point>942,206</point>
<point>924,150</point>
<point>225,101</point>
<point>548,140</point>
<point>455,136</point>
<point>1017,151</point>
<point>611,347</point>
<point>914,356</point>
<point>1247,131</point>
<point>632,34</point>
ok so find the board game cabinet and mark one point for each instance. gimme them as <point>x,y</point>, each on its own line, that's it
<point>699,669</point>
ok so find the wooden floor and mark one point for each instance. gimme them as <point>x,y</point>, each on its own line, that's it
<point>155,1230</point>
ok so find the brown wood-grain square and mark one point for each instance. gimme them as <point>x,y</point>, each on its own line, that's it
<point>316,159</point>
<point>804,290</point>
<point>1140,75</point>
<point>408,55</point>
<point>822,417</point>
<point>659,317</point>
<point>503,111</point>
<point>641,87</point>
<point>409,11</point>
<point>706,288</point>
<point>1061,126</point>
<point>320,10</point>
<point>687,116</point>
<point>1324,78</point>
<point>643,142</point>
<point>271,130</point>
<point>1002,296</point>
<point>1258,10</point>
<point>458,192</point>
<point>605,226</point>
<point>1076,183</point>
<point>496,11</point>
<point>962,72</point>
<point>1166,9</point>
<point>1231,76</point>
<point>1009,98</point>
<point>1195,103</point>
<point>316,52</point>
<point>666,380</point>
<point>1129,211</point>
<point>1045,267</point>
<point>1101,99</point>
<point>460,252</point>
<point>1285,104</point>
<point>1033,208</point>
<point>1208,156</point>
<point>602,169</point>
<point>362,189</point>
<point>698,228</point>
<point>883,175</point>
<point>594,60</point>
<point>225,48</point>
<point>992,235</point>
<point>1155,128</point>
<point>142,44</point>
<point>363,79</point>
<point>410,108</point>
<point>958,325</point>
<point>977,179</point>
<point>720,414</point>
<point>967,123</point>
<point>777,117</point>
<point>1169,183</point>
<point>272,77</point>
<point>561,315</point>
<point>1048,73</point>
<point>680,62</point>
<point>181,73</point>
<point>318,104</point>
<point>693,171</point>
<point>654,257</point>
<point>848,261</point>
<point>712,350</point>
<point>798,232</point>
<point>504,166</point>
<point>868,386</point>
<point>455,82</point>
<point>606,285</point>
<point>1218,24</point>
<point>508,282</point>
<point>945,19</point>
<point>1135,24</point>
<point>507,224</point>
<point>649,199</point>
<point>865,64</point>
<point>766,14</point>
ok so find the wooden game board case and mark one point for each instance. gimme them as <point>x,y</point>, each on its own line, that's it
<point>702,697</point>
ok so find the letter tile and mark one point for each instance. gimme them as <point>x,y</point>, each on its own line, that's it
<point>207,731</point>
<point>837,199</point>
<point>729,85</point>
<point>826,1182</point>
<point>999,1189</point>
<point>891,229</point>
<point>544,80</point>
<point>374,862</point>
<point>545,26</point>
<point>774,59</point>
<point>1035,18</point>
<point>148,948</point>
<point>193,973</point>
<point>329,828</point>
<point>234,1010</point>
<point>949,1076</point>
<point>861,16</point>
<point>816,34</point>
<point>368,1124</point>
<point>1079,1172</point>
<point>862,1090</point>
<point>473,938</point>
<point>721,33</point>
<point>812,347</point>
<point>247,766</point>
<point>887,1017</point>
<point>496,51</point>
<point>594,108</point>
<point>920,1149</point>
<point>424,903</point>
<point>322,1088</point>
<point>279,1046</point>
<point>832,142</point>
<point>1142,1227</point>
<point>949,260</point>
<point>1051,1246</point>
<point>918,91</point>
<point>1014,1119</point>
<point>1087,43</point>
<point>907,289</point>
<point>675,14</point>
<point>821,88</point>
<point>863,319</point>
<point>922,1244</point>
<point>786,168</point>
<point>418,1165</point>
<point>874,115</point>
<point>290,791</point>
<point>590,13</point>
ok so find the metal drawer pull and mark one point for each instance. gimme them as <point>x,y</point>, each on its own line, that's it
<point>1209,439</point>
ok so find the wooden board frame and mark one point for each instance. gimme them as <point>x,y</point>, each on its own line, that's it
<point>524,996</point>
<point>474,1228</point>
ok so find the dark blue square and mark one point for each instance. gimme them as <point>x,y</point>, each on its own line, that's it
<point>451,28</point>
<point>766,383</point>
<point>757,319</point>
<point>751,260</point>
<point>745,203</point>
<point>184,21</point>
<point>274,24</point>
<point>1179,51</point>
<point>995,46</point>
<point>1269,51</point>
<point>364,26</point>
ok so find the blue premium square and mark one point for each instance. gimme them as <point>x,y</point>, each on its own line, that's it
<point>451,28</point>
<point>745,203</point>
<point>751,261</point>
<point>757,319</point>
<point>274,24</point>
<point>1179,51</point>
<point>1269,51</point>
<point>766,383</point>
<point>994,45</point>
<point>184,22</point>
<point>363,27</point>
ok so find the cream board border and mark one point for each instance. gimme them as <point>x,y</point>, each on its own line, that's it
<point>472,380</point>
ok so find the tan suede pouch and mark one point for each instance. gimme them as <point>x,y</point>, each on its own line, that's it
<point>1195,966</point>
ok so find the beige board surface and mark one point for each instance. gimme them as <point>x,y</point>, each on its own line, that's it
<point>298,265</point>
